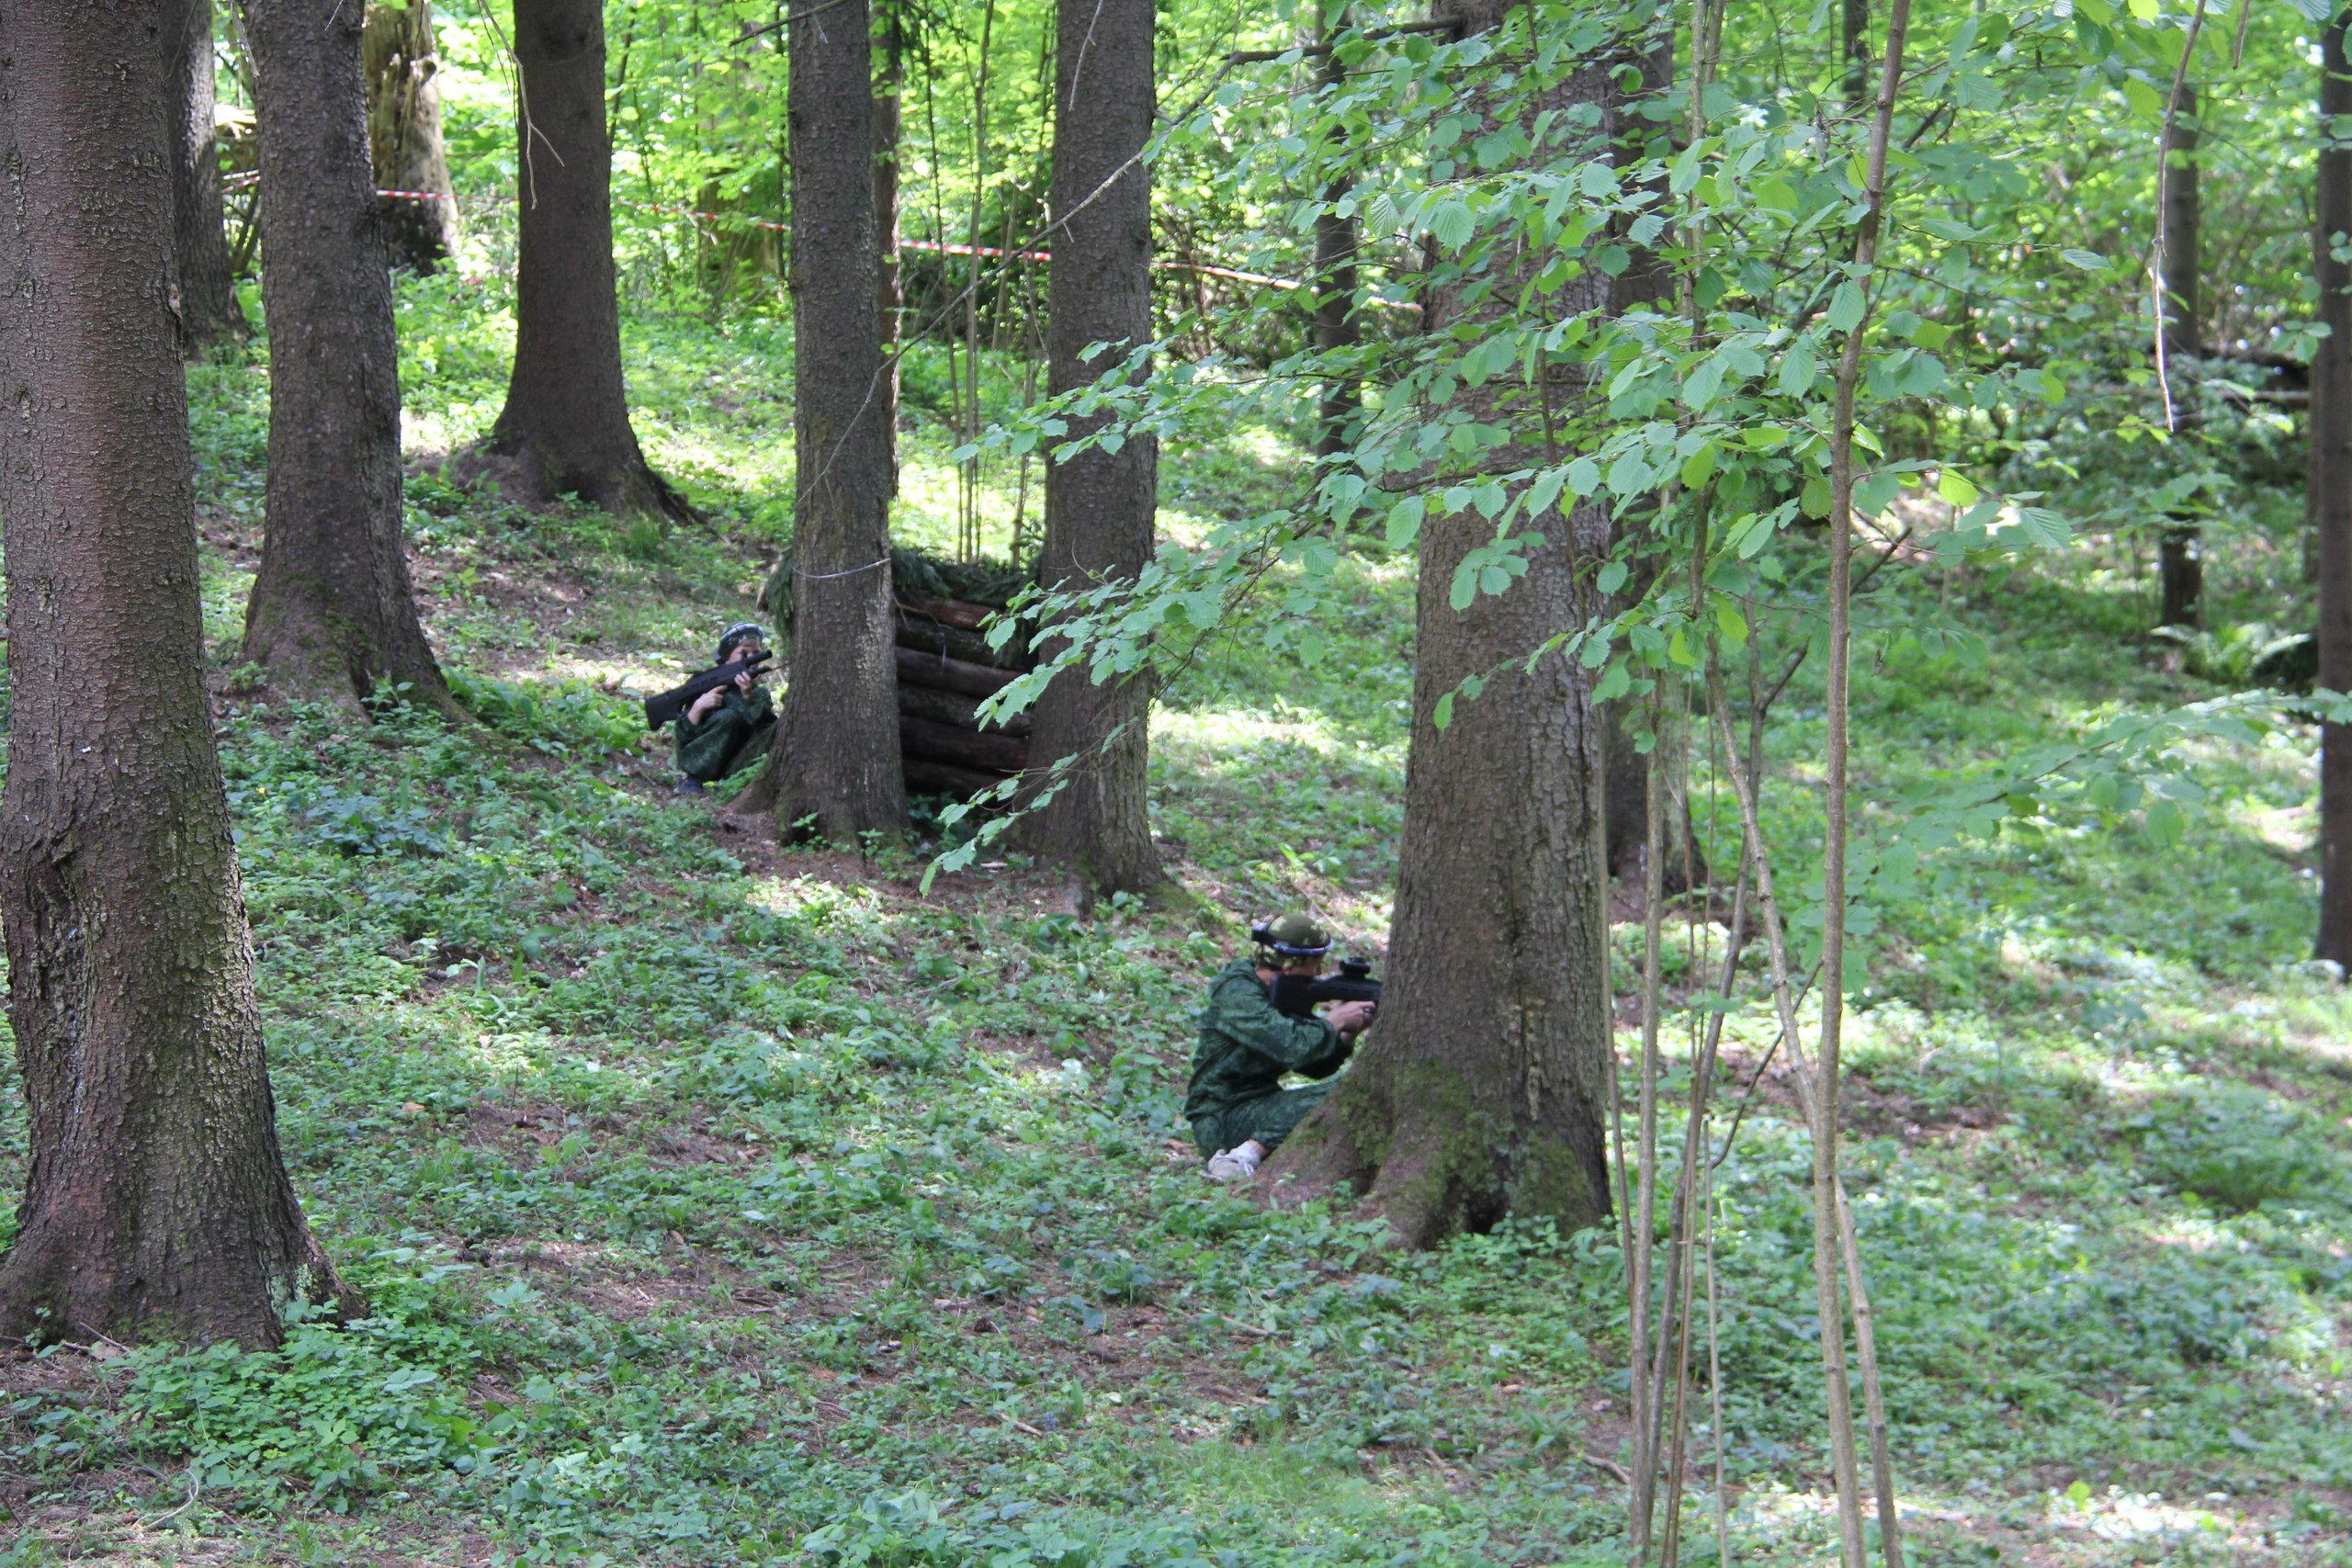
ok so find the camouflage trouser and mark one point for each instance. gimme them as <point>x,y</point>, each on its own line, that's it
<point>1268,1119</point>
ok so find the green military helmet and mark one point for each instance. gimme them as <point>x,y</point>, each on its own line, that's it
<point>740,632</point>
<point>1295,935</point>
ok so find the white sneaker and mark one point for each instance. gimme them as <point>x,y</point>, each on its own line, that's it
<point>1233,1164</point>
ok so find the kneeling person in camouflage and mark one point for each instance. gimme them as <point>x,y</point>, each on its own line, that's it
<point>1239,1111</point>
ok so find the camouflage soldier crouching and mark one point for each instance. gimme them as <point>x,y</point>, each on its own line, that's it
<point>726,729</point>
<point>1239,1111</point>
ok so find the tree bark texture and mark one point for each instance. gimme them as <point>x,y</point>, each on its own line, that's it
<point>1483,1091</point>
<point>2180,563</point>
<point>2331,458</point>
<point>1099,505</point>
<point>837,758</point>
<point>402,62</point>
<point>157,1204</point>
<point>890,289</point>
<point>209,311</point>
<point>332,614</point>
<point>565,429</point>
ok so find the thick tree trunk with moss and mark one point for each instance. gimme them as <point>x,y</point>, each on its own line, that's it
<point>209,311</point>
<point>332,614</point>
<point>2331,486</point>
<point>157,1204</point>
<point>402,65</point>
<point>565,428</point>
<point>1483,1091</point>
<point>1100,504</point>
<point>836,762</point>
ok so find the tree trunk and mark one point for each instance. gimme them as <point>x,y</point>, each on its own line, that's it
<point>207,308</point>
<point>1627,773</point>
<point>1335,290</point>
<point>332,613</point>
<point>890,292</point>
<point>2331,459</point>
<point>2180,554</point>
<point>157,1204</point>
<point>1483,1091</point>
<point>1099,505</point>
<point>565,428</point>
<point>837,755</point>
<point>1856,43</point>
<point>402,61</point>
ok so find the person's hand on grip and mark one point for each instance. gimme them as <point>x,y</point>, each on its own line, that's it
<point>1351,1018</point>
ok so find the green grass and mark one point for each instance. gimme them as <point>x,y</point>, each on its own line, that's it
<point>719,1204</point>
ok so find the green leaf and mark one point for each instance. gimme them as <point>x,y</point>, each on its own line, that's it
<point>1616,683</point>
<point>1451,225</point>
<point>1612,577</point>
<point>1734,624</point>
<point>1405,521</point>
<point>1444,714</point>
<point>1799,369</point>
<point>1814,501</point>
<point>1845,312</point>
<point>1704,382</point>
<point>1776,195</point>
<point>2165,824</point>
<point>2089,260</point>
<point>1954,488</point>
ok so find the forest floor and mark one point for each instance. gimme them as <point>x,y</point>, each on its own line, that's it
<point>724,1204</point>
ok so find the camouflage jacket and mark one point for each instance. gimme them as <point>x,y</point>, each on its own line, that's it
<point>1246,1046</point>
<point>710,750</point>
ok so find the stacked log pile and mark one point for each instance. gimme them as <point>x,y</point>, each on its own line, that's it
<point>945,668</point>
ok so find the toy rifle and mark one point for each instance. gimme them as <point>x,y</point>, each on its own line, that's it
<point>660,711</point>
<point>1298,994</point>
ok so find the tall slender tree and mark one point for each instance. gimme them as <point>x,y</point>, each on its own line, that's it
<point>403,63</point>
<point>2180,564</point>
<point>1483,1091</point>
<point>332,613</point>
<point>2331,482</point>
<point>889,283</point>
<point>565,428</point>
<point>1100,504</point>
<point>209,311</point>
<point>836,763</point>
<point>157,1204</point>
<point>1337,240</point>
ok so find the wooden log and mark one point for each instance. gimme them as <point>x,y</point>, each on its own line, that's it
<point>946,778</point>
<point>950,707</point>
<point>964,748</point>
<point>935,636</point>
<point>951,612</point>
<point>918,667</point>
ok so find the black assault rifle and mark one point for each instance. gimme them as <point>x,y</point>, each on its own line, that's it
<point>1298,994</point>
<point>660,710</point>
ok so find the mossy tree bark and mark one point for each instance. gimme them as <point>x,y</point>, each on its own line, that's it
<point>157,1204</point>
<point>209,311</point>
<point>836,765</point>
<point>402,65</point>
<point>1483,1092</point>
<point>565,428</point>
<point>2331,484</point>
<point>1100,504</point>
<point>332,614</point>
